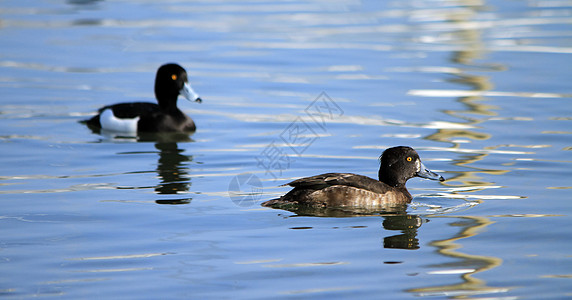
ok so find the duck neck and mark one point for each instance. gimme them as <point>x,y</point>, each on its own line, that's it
<point>169,107</point>
<point>391,179</point>
<point>167,100</point>
<point>168,103</point>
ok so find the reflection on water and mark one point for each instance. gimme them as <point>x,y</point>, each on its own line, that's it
<point>466,264</point>
<point>341,212</point>
<point>83,2</point>
<point>475,112</point>
<point>173,172</point>
<point>474,92</point>
<point>394,219</point>
<point>172,165</point>
<point>262,62</point>
<point>408,225</point>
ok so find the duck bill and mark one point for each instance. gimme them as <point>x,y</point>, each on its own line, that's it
<point>189,94</point>
<point>428,174</point>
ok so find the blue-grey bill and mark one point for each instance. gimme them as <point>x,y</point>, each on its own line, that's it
<point>426,173</point>
<point>189,94</point>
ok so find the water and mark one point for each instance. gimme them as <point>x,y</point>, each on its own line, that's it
<point>480,89</point>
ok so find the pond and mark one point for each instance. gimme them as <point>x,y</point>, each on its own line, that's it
<point>481,89</point>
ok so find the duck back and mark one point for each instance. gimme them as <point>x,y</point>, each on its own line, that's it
<point>341,190</point>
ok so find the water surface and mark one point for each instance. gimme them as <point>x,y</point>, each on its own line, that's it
<point>480,89</point>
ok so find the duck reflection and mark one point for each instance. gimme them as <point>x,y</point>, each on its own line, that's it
<point>395,218</point>
<point>172,166</point>
<point>173,172</point>
<point>408,225</point>
<point>83,2</point>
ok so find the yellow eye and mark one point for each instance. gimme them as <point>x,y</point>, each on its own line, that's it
<point>174,77</point>
<point>409,158</point>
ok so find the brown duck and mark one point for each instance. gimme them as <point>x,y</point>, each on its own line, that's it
<point>397,165</point>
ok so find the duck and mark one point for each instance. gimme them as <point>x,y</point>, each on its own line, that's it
<point>397,166</point>
<point>145,117</point>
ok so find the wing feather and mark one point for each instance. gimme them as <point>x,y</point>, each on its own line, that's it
<point>341,179</point>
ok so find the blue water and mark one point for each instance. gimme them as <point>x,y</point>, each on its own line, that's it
<point>481,90</point>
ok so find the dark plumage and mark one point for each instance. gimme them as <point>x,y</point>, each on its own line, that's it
<point>170,82</point>
<point>397,165</point>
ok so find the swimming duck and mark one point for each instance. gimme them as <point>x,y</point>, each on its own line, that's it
<point>170,82</point>
<point>397,165</point>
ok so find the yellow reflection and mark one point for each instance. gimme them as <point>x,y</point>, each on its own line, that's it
<point>467,265</point>
<point>475,111</point>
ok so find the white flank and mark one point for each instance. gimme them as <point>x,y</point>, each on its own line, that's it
<point>110,122</point>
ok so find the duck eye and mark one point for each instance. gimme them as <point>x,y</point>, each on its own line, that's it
<point>174,77</point>
<point>409,158</point>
